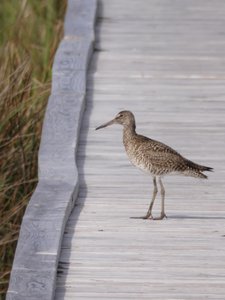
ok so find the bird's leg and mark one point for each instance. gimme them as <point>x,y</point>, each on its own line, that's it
<point>163,215</point>
<point>155,191</point>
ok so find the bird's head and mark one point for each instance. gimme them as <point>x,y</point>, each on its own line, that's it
<point>124,118</point>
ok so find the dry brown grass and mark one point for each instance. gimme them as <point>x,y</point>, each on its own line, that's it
<point>29,36</point>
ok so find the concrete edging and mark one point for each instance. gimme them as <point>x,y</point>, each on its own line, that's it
<point>35,264</point>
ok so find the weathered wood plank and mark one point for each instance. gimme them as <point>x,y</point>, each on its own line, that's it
<point>35,264</point>
<point>163,60</point>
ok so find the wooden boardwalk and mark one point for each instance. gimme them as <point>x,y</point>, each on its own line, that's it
<point>164,60</point>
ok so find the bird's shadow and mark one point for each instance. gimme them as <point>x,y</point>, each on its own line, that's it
<point>196,217</point>
<point>182,217</point>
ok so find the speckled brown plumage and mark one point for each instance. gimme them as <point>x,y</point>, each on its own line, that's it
<point>153,157</point>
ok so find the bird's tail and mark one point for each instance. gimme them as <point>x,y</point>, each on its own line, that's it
<point>204,168</point>
<point>195,170</point>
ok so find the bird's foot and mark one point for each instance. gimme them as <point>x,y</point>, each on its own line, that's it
<point>162,216</point>
<point>144,218</point>
<point>148,217</point>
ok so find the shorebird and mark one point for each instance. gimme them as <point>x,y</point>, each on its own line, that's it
<point>154,158</point>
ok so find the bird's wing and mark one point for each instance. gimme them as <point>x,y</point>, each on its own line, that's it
<point>161,156</point>
<point>155,146</point>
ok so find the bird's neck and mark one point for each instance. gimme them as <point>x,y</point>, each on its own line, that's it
<point>128,133</point>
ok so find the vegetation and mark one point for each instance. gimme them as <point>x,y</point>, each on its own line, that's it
<point>30,31</point>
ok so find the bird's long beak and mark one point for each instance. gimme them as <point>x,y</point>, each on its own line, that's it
<point>106,124</point>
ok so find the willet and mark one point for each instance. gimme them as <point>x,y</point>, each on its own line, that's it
<point>154,158</point>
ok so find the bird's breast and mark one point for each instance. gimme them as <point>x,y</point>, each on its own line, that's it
<point>137,158</point>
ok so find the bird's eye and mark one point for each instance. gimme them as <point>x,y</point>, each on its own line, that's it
<point>119,116</point>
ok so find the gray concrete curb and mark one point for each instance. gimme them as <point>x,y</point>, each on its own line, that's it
<point>35,264</point>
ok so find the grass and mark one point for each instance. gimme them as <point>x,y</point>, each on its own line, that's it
<point>30,31</point>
